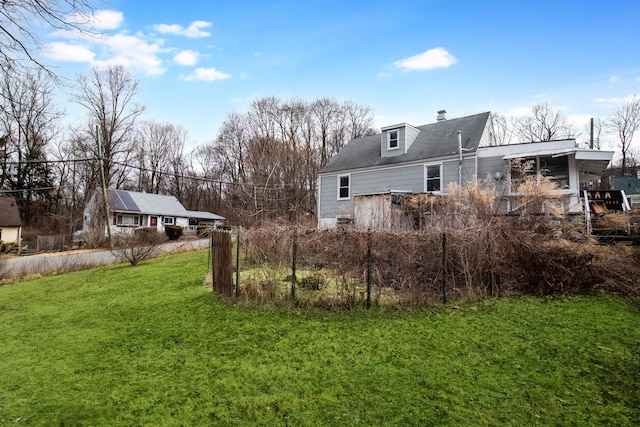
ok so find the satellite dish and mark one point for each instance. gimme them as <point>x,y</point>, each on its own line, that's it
<point>497,176</point>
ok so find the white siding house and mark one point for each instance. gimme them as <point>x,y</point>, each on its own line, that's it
<point>130,210</point>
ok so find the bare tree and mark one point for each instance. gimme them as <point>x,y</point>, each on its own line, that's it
<point>159,153</point>
<point>544,124</point>
<point>503,129</point>
<point>19,41</point>
<point>625,121</point>
<point>28,122</point>
<point>108,95</point>
<point>272,154</point>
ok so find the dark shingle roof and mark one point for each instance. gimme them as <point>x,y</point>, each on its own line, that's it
<point>9,213</point>
<point>435,140</point>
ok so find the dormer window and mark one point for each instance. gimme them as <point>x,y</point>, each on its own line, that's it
<point>392,140</point>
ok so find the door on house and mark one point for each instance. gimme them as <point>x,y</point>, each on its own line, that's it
<point>153,221</point>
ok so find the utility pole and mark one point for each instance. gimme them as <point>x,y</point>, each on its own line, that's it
<point>104,190</point>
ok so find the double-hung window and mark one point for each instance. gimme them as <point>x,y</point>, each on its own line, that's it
<point>433,178</point>
<point>344,187</point>
<point>392,140</point>
<point>168,220</point>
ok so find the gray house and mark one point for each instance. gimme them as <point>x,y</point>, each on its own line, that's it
<point>362,182</point>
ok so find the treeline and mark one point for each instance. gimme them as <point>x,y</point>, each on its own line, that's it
<point>262,166</point>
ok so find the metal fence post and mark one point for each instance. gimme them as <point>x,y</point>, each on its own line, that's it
<point>444,267</point>
<point>294,250</point>
<point>369,268</point>
<point>238,263</point>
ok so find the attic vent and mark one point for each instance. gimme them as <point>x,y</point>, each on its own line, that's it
<point>442,115</point>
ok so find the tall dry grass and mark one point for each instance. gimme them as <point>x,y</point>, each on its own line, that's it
<point>485,252</point>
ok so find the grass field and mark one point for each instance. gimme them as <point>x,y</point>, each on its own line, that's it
<point>151,345</point>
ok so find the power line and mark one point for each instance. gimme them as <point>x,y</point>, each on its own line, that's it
<point>19,162</point>
<point>28,189</point>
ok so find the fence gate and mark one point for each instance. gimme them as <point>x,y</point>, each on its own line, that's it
<point>221,260</point>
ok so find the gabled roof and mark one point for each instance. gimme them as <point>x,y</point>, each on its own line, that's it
<point>9,213</point>
<point>146,203</point>
<point>435,140</point>
<point>205,215</point>
<point>153,204</point>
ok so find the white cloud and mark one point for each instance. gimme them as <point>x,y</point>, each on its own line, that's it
<point>194,30</point>
<point>100,20</point>
<point>133,52</point>
<point>614,79</point>
<point>206,74</point>
<point>384,75</point>
<point>433,58</point>
<point>616,100</point>
<point>520,112</point>
<point>187,57</point>
<point>61,51</point>
<point>579,120</point>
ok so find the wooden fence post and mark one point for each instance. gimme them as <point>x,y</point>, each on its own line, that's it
<point>222,263</point>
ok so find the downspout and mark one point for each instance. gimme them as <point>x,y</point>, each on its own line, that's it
<point>459,163</point>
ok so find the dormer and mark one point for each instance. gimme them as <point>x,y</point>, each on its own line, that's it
<point>397,139</point>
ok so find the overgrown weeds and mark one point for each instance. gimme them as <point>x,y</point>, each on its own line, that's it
<point>470,251</point>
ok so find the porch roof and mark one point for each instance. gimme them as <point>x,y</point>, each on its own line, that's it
<point>590,163</point>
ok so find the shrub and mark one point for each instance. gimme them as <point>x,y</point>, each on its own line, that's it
<point>134,248</point>
<point>174,232</point>
<point>148,235</point>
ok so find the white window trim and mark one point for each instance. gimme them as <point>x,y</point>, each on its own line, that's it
<point>165,218</point>
<point>426,176</point>
<point>397,132</point>
<point>349,187</point>
<point>119,220</point>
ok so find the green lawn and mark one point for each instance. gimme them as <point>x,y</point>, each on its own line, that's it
<point>151,345</point>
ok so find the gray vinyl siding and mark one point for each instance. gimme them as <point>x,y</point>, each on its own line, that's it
<point>408,178</point>
<point>450,171</point>
<point>402,138</point>
<point>412,134</point>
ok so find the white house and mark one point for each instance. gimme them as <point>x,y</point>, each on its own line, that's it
<point>10,223</point>
<point>130,210</point>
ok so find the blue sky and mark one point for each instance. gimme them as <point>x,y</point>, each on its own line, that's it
<point>198,60</point>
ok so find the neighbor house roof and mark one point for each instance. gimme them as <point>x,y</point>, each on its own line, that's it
<point>9,213</point>
<point>147,203</point>
<point>205,215</point>
<point>153,204</point>
<point>435,140</point>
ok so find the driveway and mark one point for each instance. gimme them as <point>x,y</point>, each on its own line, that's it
<point>76,260</point>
